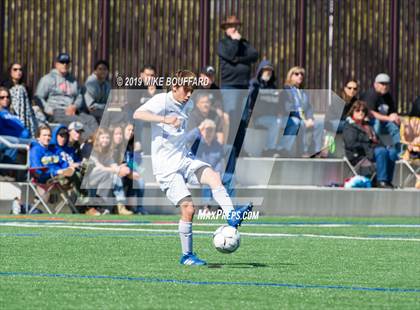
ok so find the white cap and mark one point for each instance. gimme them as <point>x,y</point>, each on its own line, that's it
<point>383,78</point>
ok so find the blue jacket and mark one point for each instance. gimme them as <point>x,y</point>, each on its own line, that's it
<point>66,152</point>
<point>11,125</point>
<point>41,156</point>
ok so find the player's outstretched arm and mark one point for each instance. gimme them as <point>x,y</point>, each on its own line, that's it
<point>147,116</point>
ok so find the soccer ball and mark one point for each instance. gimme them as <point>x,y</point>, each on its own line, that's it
<point>226,239</point>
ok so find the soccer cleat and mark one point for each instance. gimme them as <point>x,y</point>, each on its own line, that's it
<point>236,216</point>
<point>192,260</point>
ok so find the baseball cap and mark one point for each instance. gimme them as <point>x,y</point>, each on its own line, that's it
<point>63,58</point>
<point>209,70</point>
<point>76,126</point>
<point>383,78</point>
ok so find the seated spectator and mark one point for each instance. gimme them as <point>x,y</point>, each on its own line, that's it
<point>61,98</point>
<point>209,150</point>
<point>42,154</point>
<point>20,97</point>
<point>75,140</point>
<point>335,118</point>
<point>60,140</point>
<point>410,132</point>
<point>140,96</point>
<point>133,182</point>
<point>201,111</point>
<point>11,128</point>
<point>298,115</point>
<point>267,109</point>
<point>105,174</point>
<point>97,89</point>
<point>362,144</point>
<point>383,109</point>
<point>215,96</point>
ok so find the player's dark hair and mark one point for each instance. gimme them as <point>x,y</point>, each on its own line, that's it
<point>181,80</point>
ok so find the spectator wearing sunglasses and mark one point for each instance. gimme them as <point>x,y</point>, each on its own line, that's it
<point>60,96</point>
<point>336,115</point>
<point>20,97</point>
<point>299,117</point>
<point>385,119</point>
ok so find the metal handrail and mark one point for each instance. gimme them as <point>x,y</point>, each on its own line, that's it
<point>18,146</point>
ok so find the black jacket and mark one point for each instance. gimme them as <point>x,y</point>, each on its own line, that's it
<point>236,57</point>
<point>357,144</point>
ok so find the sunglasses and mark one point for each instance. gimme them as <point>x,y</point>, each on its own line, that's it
<point>17,69</point>
<point>298,73</point>
<point>383,83</point>
<point>4,97</point>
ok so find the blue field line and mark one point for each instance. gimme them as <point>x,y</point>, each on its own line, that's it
<point>190,282</point>
<point>19,235</point>
<point>84,235</point>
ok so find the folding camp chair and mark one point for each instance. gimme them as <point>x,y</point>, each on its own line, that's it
<point>410,135</point>
<point>52,186</point>
<point>362,164</point>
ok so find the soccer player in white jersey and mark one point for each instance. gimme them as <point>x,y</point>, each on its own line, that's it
<point>174,167</point>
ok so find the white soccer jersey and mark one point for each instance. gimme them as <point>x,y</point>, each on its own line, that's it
<point>168,143</point>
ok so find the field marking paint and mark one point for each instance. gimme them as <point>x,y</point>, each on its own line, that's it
<point>190,282</point>
<point>281,235</point>
<point>169,223</point>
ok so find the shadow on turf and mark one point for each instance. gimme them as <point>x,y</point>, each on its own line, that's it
<point>236,265</point>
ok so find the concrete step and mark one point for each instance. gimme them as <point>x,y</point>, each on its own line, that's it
<point>294,171</point>
<point>300,201</point>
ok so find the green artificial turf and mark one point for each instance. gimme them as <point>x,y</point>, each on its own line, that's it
<point>122,267</point>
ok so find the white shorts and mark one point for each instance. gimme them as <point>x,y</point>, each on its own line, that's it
<point>175,184</point>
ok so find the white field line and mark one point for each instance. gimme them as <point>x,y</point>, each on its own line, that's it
<point>279,235</point>
<point>218,224</point>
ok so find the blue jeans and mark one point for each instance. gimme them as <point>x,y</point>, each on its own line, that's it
<point>232,97</point>
<point>273,125</point>
<point>387,128</point>
<point>385,163</point>
<point>293,126</point>
<point>117,190</point>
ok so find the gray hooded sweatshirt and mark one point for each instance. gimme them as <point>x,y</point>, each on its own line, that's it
<point>58,92</point>
<point>96,93</point>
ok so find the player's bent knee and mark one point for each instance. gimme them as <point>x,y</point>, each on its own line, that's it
<point>187,208</point>
<point>211,178</point>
